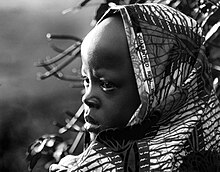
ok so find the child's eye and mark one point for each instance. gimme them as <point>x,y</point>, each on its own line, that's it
<point>85,81</point>
<point>107,86</point>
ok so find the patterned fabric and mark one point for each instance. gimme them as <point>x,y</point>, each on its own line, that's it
<point>179,114</point>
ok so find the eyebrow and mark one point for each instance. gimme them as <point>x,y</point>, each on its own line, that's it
<point>97,74</point>
<point>106,75</point>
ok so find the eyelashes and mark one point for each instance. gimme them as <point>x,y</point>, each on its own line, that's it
<point>105,85</point>
<point>85,81</point>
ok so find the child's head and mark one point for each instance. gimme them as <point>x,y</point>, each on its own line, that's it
<point>111,95</point>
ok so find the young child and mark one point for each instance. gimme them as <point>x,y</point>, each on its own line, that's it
<point>148,100</point>
<point>111,96</point>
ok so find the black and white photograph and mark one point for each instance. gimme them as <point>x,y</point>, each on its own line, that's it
<point>110,85</point>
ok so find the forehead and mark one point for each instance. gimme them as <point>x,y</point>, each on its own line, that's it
<point>106,45</point>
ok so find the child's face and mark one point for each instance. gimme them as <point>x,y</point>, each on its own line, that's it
<point>111,96</point>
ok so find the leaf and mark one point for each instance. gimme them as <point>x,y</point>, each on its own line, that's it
<point>33,161</point>
<point>39,147</point>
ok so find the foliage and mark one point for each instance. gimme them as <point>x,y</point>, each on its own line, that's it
<point>52,147</point>
<point>47,145</point>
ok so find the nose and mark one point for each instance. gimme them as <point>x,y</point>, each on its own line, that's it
<point>91,100</point>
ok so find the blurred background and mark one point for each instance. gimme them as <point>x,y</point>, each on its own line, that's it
<point>29,106</point>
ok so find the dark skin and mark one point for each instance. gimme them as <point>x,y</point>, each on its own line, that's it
<point>111,95</point>
<point>214,52</point>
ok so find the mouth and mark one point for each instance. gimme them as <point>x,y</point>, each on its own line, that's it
<point>92,128</point>
<point>91,125</point>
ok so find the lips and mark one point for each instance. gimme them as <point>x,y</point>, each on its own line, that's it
<point>91,125</point>
<point>92,128</point>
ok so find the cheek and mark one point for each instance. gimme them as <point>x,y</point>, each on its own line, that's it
<point>130,103</point>
<point>119,111</point>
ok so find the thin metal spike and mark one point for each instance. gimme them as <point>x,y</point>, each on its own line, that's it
<point>72,121</point>
<point>68,51</point>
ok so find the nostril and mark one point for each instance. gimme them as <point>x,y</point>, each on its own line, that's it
<point>91,120</point>
<point>92,103</point>
<point>89,103</point>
